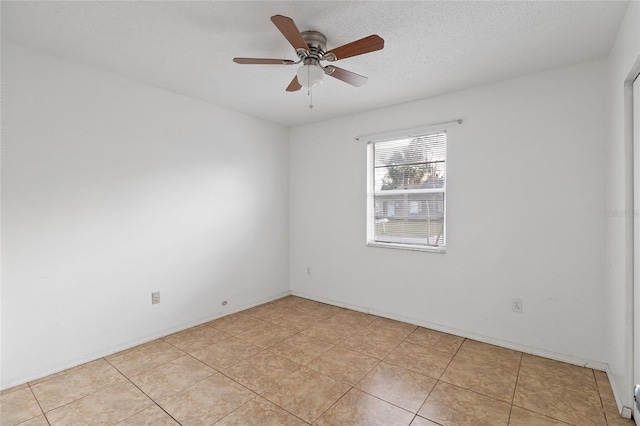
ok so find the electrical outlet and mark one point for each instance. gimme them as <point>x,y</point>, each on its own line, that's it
<point>155,297</point>
<point>516,305</point>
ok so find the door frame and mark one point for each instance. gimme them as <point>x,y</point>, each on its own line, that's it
<point>632,241</point>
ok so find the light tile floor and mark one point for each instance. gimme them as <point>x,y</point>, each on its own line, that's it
<point>295,362</point>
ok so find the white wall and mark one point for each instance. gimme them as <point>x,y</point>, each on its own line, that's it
<point>112,190</point>
<point>526,190</point>
<point>624,53</point>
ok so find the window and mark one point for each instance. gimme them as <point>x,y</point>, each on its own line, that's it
<point>407,187</point>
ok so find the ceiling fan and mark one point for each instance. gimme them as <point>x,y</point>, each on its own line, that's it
<point>311,48</point>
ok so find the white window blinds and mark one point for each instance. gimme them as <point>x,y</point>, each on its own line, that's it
<point>407,192</point>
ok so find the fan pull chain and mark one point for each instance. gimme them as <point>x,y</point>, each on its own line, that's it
<point>310,89</point>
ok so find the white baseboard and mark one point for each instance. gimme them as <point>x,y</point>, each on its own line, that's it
<point>130,344</point>
<point>624,411</point>
<point>461,333</point>
<point>474,336</point>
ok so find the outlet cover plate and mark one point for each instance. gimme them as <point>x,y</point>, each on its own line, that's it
<point>516,305</point>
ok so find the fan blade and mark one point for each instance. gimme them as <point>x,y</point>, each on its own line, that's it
<point>263,61</point>
<point>294,85</point>
<point>289,30</point>
<point>347,76</point>
<point>358,47</point>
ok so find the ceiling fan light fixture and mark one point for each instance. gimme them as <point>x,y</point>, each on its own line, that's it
<point>311,49</point>
<point>310,75</point>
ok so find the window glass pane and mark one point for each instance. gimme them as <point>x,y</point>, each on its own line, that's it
<point>410,163</point>
<point>415,176</point>
<point>410,218</point>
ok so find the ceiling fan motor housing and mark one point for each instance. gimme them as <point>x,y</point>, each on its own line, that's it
<point>317,43</point>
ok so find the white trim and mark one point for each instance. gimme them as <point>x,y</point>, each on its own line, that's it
<point>414,247</point>
<point>616,396</point>
<point>409,133</point>
<point>630,255</point>
<point>633,303</point>
<point>629,237</point>
<point>133,343</point>
<point>411,191</point>
<point>601,366</point>
<point>370,196</point>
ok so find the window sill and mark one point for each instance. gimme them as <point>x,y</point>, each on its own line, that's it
<point>412,247</point>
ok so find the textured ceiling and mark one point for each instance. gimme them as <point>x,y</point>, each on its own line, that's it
<point>430,47</point>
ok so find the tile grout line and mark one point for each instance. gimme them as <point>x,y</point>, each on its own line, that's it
<point>38,402</point>
<point>296,416</point>
<point>236,409</point>
<point>600,397</point>
<point>440,376</point>
<point>537,412</point>
<point>477,393</point>
<point>362,353</point>
<point>155,366</point>
<point>450,361</point>
<point>339,381</point>
<point>282,408</point>
<point>79,398</point>
<point>266,349</point>
<point>269,401</point>
<point>604,412</point>
<point>351,387</point>
<point>222,373</point>
<point>389,402</point>
<point>217,371</point>
<point>434,386</point>
<point>256,394</point>
<point>145,394</point>
<point>513,396</point>
<point>66,371</point>
<point>335,402</point>
<point>383,360</point>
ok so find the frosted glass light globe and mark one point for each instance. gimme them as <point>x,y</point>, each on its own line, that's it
<point>310,75</point>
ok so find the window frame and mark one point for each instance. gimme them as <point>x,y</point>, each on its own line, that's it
<point>370,220</point>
